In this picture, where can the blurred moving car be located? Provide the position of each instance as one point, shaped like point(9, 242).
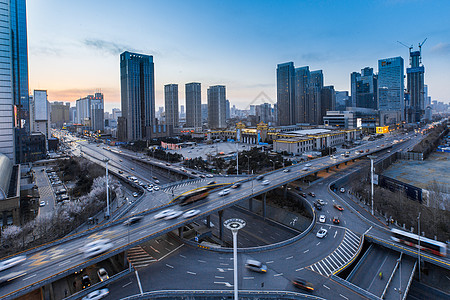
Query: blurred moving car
point(173, 215)
point(303, 284)
point(236, 185)
point(321, 233)
point(132, 220)
point(95, 295)
point(163, 214)
point(286, 170)
point(260, 177)
point(265, 182)
point(11, 262)
point(102, 274)
point(255, 266)
point(338, 207)
point(97, 247)
point(308, 165)
point(224, 192)
point(191, 213)
point(10, 276)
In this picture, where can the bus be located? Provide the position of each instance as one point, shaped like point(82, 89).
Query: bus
point(192, 196)
point(426, 244)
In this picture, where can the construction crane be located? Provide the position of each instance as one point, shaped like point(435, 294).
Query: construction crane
point(409, 47)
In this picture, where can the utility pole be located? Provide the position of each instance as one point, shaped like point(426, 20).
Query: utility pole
point(234, 225)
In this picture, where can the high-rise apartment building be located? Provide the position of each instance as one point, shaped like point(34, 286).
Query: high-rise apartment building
point(59, 113)
point(137, 85)
point(7, 123)
point(391, 84)
point(204, 112)
point(264, 113)
point(41, 113)
point(314, 104)
point(302, 79)
point(90, 112)
point(171, 104)
point(364, 89)
point(116, 113)
point(286, 93)
point(327, 101)
point(217, 107)
point(227, 109)
point(193, 93)
point(415, 76)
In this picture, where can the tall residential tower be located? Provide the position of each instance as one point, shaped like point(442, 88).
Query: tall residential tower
point(193, 92)
point(171, 104)
point(217, 107)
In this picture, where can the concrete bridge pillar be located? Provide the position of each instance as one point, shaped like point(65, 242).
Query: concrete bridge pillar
point(264, 205)
point(208, 221)
point(285, 191)
point(250, 204)
point(221, 225)
point(180, 232)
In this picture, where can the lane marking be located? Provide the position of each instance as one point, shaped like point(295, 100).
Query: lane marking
point(335, 234)
point(277, 274)
point(269, 262)
point(289, 257)
point(31, 276)
point(219, 277)
point(306, 251)
point(249, 277)
point(127, 284)
point(182, 256)
point(299, 269)
point(169, 266)
point(326, 286)
point(201, 261)
point(191, 273)
point(343, 296)
point(225, 283)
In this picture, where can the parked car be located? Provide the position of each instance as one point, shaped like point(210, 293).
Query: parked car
point(255, 266)
point(135, 194)
point(42, 203)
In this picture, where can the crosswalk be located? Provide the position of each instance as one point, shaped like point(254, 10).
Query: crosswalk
point(139, 258)
point(340, 257)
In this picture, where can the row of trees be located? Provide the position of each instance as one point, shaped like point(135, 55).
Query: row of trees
point(396, 205)
point(64, 219)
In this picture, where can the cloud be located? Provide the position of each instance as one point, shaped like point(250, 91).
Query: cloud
point(109, 47)
point(44, 51)
point(441, 48)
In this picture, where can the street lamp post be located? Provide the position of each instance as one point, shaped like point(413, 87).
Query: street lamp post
point(372, 157)
point(273, 164)
point(418, 225)
point(107, 188)
point(234, 225)
point(248, 164)
point(237, 158)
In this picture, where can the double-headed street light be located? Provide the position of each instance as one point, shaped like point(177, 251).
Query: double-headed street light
point(234, 225)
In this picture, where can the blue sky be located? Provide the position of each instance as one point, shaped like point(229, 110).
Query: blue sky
point(74, 46)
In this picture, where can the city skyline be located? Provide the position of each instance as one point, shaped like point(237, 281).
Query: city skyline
point(222, 39)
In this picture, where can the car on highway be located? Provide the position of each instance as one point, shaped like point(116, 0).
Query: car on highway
point(132, 169)
point(286, 170)
point(42, 203)
point(209, 175)
point(163, 213)
point(150, 189)
point(342, 190)
point(338, 207)
point(308, 165)
point(120, 172)
point(265, 182)
point(260, 177)
point(236, 185)
point(321, 202)
point(11, 262)
point(333, 157)
point(321, 233)
point(317, 206)
point(255, 266)
point(322, 219)
point(156, 188)
point(173, 215)
point(212, 182)
point(132, 220)
point(336, 220)
point(191, 213)
point(312, 194)
point(224, 192)
point(85, 281)
point(96, 295)
point(303, 284)
point(10, 276)
point(96, 247)
point(102, 274)
point(156, 181)
point(303, 194)
point(135, 194)
point(305, 169)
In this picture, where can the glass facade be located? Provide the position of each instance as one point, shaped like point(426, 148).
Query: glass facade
point(217, 107)
point(193, 104)
point(391, 84)
point(285, 94)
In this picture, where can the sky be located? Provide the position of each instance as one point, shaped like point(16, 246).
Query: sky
point(74, 46)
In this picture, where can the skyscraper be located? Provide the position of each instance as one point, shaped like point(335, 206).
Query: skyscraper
point(227, 109)
point(302, 78)
point(364, 88)
point(327, 101)
point(171, 104)
point(217, 107)
point(286, 93)
point(391, 84)
point(90, 112)
point(415, 87)
point(137, 85)
point(193, 92)
point(313, 104)
point(7, 111)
